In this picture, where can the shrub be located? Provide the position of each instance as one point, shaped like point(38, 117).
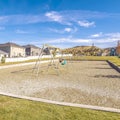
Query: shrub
point(3, 60)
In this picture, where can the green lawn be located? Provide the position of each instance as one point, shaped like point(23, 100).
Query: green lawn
point(19, 109)
point(113, 59)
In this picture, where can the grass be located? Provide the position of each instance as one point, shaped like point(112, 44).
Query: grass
point(27, 61)
point(113, 59)
point(19, 109)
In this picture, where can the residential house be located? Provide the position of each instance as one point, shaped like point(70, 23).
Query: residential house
point(32, 50)
point(13, 49)
point(3, 54)
point(48, 50)
point(106, 52)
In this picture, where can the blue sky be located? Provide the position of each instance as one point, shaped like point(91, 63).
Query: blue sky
point(63, 23)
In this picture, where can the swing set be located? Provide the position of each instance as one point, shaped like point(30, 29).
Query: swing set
point(52, 64)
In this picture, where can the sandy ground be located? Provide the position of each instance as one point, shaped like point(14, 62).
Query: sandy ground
point(84, 82)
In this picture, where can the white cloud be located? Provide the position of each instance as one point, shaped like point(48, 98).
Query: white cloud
point(104, 41)
point(68, 29)
point(81, 40)
point(112, 38)
point(68, 17)
point(54, 16)
point(21, 31)
point(55, 30)
point(63, 17)
point(57, 17)
point(81, 17)
point(22, 19)
point(65, 30)
point(86, 24)
point(113, 35)
point(105, 37)
point(96, 35)
point(69, 40)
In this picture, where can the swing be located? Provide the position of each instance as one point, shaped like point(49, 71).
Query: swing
point(64, 62)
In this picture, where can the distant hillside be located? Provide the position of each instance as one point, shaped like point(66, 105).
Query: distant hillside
point(84, 50)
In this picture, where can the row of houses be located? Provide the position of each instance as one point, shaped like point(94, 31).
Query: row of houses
point(14, 50)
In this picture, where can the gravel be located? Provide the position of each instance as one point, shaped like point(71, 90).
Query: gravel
point(84, 82)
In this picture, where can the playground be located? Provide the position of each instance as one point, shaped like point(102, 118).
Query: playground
point(84, 82)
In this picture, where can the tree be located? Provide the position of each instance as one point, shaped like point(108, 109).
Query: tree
point(3, 60)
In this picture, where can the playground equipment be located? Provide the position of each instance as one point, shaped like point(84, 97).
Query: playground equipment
point(62, 61)
point(53, 63)
point(52, 51)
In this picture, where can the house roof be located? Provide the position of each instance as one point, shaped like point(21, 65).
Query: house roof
point(11, 44)
point(31, 46)
point(3, 52)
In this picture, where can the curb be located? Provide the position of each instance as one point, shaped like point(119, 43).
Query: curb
point(114, 66)
point(107, 109)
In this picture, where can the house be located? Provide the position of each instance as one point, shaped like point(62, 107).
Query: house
point(48, 50)
point(32, 50)
point(106, 52)
point(3, 54)
point(13, 49)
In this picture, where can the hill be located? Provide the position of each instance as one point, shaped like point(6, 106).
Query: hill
point(84, 50)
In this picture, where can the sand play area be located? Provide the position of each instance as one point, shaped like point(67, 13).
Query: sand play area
point(84, 82)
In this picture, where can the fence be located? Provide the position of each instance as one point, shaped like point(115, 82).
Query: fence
point(20, 59)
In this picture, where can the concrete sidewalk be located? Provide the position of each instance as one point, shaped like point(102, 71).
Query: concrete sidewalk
point(107, 109)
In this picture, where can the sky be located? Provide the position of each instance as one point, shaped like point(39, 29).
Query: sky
point(62, 23)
